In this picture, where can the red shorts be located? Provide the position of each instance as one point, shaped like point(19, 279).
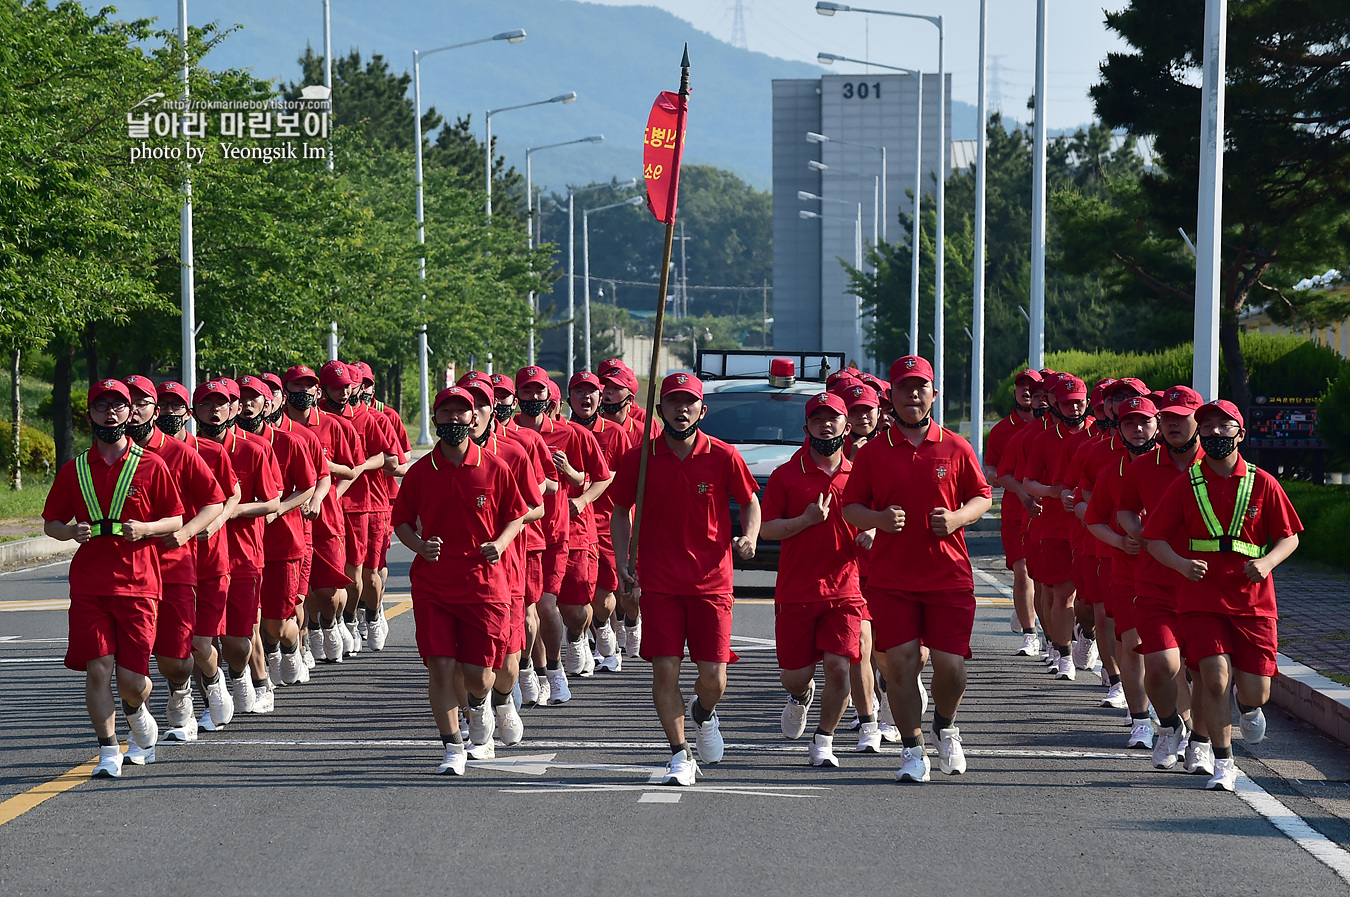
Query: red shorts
point(241, 609)
point(212, 596)
point(534, 576)
point(306, 567)
point(1014, 535)
point(384, 547)
point(120, 625)
point(555, 568)
point(805, 631)
point(377, 529)
point(1120, 606)
point(1034, 559)
point(1088, 577)
point(280, 589)
point(469, 631)
point(1055, 563)
point(1155, 621)
point(326, 569)
point(607, 575)
point(357, 528)
point(176, 617)
point(578, 585)
point(515, 637)
point(1250, 642)
point(669, 622)
point(941, 620)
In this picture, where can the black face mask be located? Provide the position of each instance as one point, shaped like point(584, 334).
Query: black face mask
point(275, 417)
point(1190, 444)
point(1040, 411)
point(109, 435)
point(1141, 449)
point(234, 421)
point(336, 406)
point(859, 435)
point(585, 421)
point(503, 412)
point(300, 400)
point(1073, 421)
point(533, 407)
point(1107, 424)
point(679, 435)
point(170, 424)
point(481, 441)
point(452, 434)
point(368, 398)
point(138, 432)
point(612, 409)
point(919, 426)
point(826, 447)
point(251, 424)
point(1218, 447)
point(211, 431)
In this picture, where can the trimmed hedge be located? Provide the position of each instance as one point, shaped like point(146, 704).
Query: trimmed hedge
point(1325, 512)
point(35, 447)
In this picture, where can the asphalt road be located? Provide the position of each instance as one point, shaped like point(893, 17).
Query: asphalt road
point(334, 793)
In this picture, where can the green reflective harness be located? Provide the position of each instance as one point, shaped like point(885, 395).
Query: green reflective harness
point(1219, 538)
point(109, 524)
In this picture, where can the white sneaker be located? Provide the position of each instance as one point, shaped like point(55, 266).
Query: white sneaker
point(288, 670)
point(274, 667)
point(264, 699)
point(517, 701)
point(1166, 744)
point(822, 751)
point(378, 633)
point(611, 664)
point(183, 733)
point(486, 751)
point(1141, 735)
point(362, 626)
point(206, 723)
point(1115, 697)
point(709, 742)
point(528, 684)
point(351, 644)
point(632, 637)
point(1253, 726)
point(180, 710)
point(794, 714)
point(951, 756)
point(923, 698)
point(587, 661)
point(869, 738)
point(137, 755)
point(885, 717)
point(510, 728)
point(109, 764)
point(454, 761)
point(890, 733)
point(913, 765)
point(306, 664)
point(333, 643)
point(219, 704)
point(1083, 650)
point(313, 648)
point(1224, 777)
point(558, 690)
point(1014, 624)
point(244, 695)
point(606, 642)
point(1031, 646)
point(144, 729)
point(574, 659)
point(1199, 758)
point(545, 690)
point(1065, 669)
point(681, 769)
point(481, 724)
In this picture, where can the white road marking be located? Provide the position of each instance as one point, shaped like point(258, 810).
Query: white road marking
point(659, 797)
point(20, 640)
point(1300, 832)
point(745, 790)
point(538, 764)
point(993, 581)
point(32, 660)
point(38, 567)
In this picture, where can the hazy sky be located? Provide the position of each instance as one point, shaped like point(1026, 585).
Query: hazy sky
point(1077, 41)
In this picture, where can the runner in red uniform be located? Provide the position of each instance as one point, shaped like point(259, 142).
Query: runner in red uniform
point(1013, 514)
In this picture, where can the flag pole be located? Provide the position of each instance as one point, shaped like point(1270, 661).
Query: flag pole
point(654, 370)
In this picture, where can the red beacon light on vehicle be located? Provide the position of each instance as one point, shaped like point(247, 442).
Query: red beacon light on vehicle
point(782, 372)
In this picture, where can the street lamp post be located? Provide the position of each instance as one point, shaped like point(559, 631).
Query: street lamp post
point(879, 203)
point(1036, 320)
point(586, 265)
point(857, 261)
point(513, 37)
point(530, 229)
point(939, 342)
point(185, 258)
point(571, 269)
point(1205, 376)
point(977, 308)
point(564, 98)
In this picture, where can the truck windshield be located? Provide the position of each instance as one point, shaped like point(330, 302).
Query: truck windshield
point(774, 418)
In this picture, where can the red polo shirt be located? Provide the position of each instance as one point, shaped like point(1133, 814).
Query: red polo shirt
point(994, 447)
point(374, 438)
point(259, 480)
point(1102, 509)
point(1013, 462)
point(465, 505)
point(941, 472)
point(405, 446)
point(613, 441)
point(684, 547)
point(583, 453)
point(335, 443)
point(110, 565)
point(1225, 589)
point(1087, 467)
point(284, 538)
point(1045, 459)
point(820, 562)
point(541, 464)
point(527, 480)
point(213, 554)
point(1141, 490)
point(197, 488)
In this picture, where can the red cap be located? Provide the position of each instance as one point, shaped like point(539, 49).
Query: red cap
point(620, 377)
point(1130, 383)
point(1046, 372)
point(142, 384)
point(825, 400)
point(210, 388)
point(504, 383)
point(861, 394)
point(1069, 387)
point(1223, 406)
point(174, 388)
point(366, 373)
point(1097, 398)
point(611, 364)
point(453, 392)
point(531, 374)
point(583, 378)
point(1138, 405)
point(911, 366)
point(231, 387)
point(99, 387)
point(482, 386)
point(256, 384)
point(845, 374)
point(1181, 400)
point(299, 372)
point(271, 380)
point(1029, 374)
point(682, 382)
point(336, 373)
point(554, 392)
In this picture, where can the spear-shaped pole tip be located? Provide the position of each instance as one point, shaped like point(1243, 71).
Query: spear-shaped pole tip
point(684, 63)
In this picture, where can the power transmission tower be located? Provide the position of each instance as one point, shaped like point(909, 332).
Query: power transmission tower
point(996, 83)
point(738, 39)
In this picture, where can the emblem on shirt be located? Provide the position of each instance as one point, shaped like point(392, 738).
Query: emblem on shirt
point(1252, 510)
point(482, 500)
point(704, 488)
point(941, 471)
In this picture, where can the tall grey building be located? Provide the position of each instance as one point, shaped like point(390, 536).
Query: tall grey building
point(812, 308)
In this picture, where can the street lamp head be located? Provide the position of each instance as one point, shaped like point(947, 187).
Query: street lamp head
point(803, 195)
point(805, 213)
point(828, 58)
point(514, 36)
point(636, 200)
point(594, 138)
point(829, 9)
point(631, 182)
point(565, 98)
point(813, 137)
point(817, 166)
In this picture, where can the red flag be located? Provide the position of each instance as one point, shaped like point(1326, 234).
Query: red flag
point(662, 151)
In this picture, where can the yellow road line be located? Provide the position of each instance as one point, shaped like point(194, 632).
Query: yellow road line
point(72, 778)
point(401, 607)
point(40, 604)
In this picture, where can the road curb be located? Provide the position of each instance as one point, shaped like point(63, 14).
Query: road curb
point(21, 550)
point(1313, 698)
